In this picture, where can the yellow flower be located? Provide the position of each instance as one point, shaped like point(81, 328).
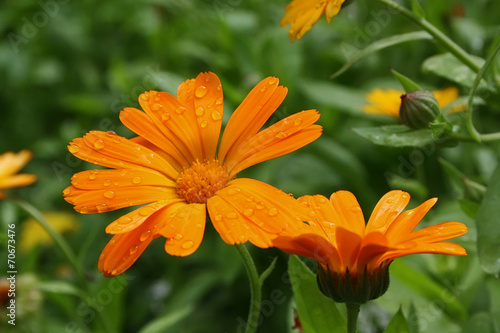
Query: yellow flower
point(303, 14)
point(33, 234)
point(353, 258)
point(388, 101)
point(178, 170)
point(10, 164)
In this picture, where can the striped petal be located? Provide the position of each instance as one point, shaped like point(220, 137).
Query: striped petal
point(347, 212)
point(407, 221)
point(386, 211)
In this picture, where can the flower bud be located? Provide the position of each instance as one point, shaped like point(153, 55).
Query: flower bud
point(418, 109)
point(347, 288)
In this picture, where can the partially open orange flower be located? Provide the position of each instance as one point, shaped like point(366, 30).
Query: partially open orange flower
point(303, 14)
point(10, 164)
point(175, 170)
point(387, 102)
point(347, 249)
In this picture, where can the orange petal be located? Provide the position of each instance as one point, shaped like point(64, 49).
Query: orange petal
point(99, 179)
point(322, 217)
point(251, 115)
point(17, 180)
point(437, 233)
point(407, 221)
point(203, 96)
point(279, 139)
point(142, 125)
point(302, 14)
point(333, 8)
point(348, 213)
point(135, 218)
point(176, 121)
point(105, 200)
point(184, 230)
point(349, 246)
point(11, 163)
point(386, 211)
point(435, 248)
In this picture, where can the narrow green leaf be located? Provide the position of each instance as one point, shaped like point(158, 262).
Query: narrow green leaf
point(396, 136)
point(398, 324)
point(428, 288)
point(268, 271)
point(60, 287)
point(167, 321)
point(448, 66)
point(412, 319)
point(408, 84)
point(417, 9)
point(317, 312)
point(488, 226)
point(380, 45)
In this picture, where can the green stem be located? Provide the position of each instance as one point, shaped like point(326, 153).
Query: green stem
point(255, 289)
point(66, 250)
point(438, 35)
point(352, 316)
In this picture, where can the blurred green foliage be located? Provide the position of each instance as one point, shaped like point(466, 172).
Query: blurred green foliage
point(67, 67)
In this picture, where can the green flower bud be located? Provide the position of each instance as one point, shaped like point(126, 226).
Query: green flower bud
point(418, 109)
point(344, 288)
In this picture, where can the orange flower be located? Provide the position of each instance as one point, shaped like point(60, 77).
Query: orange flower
point(10, 164)
point(387, 102)
point(303, 14)
point(174, 167)
point(353, 259)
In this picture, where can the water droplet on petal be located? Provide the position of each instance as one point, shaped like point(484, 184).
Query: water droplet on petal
point(356, 209)
point(146, 210)
point(73, 149)
point(272, 80)
point(98, 144)
point(200, 91)
point(242, 238)
point(107, 182)
point(322, 200)
point(200, 111)
point(216, 115)
point(180, 110)
point(262, 89)
point(178, 237)
point(187, 245)
point(124, 220)
point(233, 190)
point(84, 210)
point(109, 194)
point(137, 180)
point(66, 191)
point(218, 217)
point(272, 212)
point(248, 212)
point(312, 213)
point(260, 205)
point(145, 235)
point(281, 135)
point(297, 121)
point(102, 207)
point(92, 176)
point(231, 215)
point(144, 96)
point(218, 101)
point(390, 201)
point(133, 249)
point(114, 271)
point(156, 107)
point(165, 116)
point(204, 124)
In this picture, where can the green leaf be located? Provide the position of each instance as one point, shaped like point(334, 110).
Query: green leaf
point(380, 45)
point(317, 312)
point(60, 287)
point(428, 288)
point(417, 9)
point(447, 66)
point(469, 207)
point(268, 271)
point(488, 226)
point(396, 136)
point(398, 324)
point(408, 84)
point(167, 321)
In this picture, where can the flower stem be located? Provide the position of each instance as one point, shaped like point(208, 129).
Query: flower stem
point(450, 45)
point(255, 289)
point(352, 316)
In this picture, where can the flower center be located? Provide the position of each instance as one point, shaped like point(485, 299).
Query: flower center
point(201, 181)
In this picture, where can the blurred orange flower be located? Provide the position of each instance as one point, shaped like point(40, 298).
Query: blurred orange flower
point(175, 170)
point(303, 14)
point(353, 259)
point(10, 164)
point(387, 102)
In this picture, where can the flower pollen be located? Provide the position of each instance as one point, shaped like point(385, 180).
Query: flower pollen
point(201, 181)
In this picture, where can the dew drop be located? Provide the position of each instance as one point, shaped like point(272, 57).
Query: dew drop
point(144, 96)
point(312, 213)
point(107, 182)
point(218, 101)
point(200, 91)
point(260, 205)
point(109, 194)
point(218, 217)
point(66, 191)
point(297, 121)
point(137, 180)
point(178, 237)
point(116, 183)
point(124, 220)
point(145, 235)
point(180, 110)
point(281, 135)
point(84, 210)
point(165, 116)
point(250, 199)
point(102, 207)
point(231, 215)
point(390, 201)
point(99, 144)
point(187, 245)
point(73, 149)
point(114, 271)
point(272, 80)
point(200, 111)
point(272, 212)
point(92, 176)
point(204, 124)
point(156, 107)
point(242, 238)
point(233, 190)
point(322, 200)
point(356, 209)
point(74, 183)
point(248, 212)
point(133, 249)
point(216, 115)
point(146, 210)
point(262, 89)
